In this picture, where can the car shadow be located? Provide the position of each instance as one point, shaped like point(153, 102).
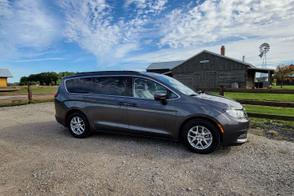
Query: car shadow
point(51, 134)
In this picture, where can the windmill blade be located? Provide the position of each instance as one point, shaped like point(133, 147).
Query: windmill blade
point(265, 47)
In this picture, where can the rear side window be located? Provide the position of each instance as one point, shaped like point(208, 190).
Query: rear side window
point(100, 85)
point(79, 85)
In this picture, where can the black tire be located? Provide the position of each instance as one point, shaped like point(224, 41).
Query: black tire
point(201, 123)
point(86, 132)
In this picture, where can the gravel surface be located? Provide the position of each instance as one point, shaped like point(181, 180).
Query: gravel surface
point(39, 157)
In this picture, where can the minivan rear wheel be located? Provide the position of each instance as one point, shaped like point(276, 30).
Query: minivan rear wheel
point(78, 125)
point(200, 136)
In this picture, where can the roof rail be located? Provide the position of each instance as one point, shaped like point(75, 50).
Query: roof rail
point(104, 73)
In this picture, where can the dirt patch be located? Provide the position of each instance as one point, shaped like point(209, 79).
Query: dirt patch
point(273, 130)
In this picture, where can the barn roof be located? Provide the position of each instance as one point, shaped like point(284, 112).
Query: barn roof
point(229, 58)
point(164, 65)
point(5, 73)
point(225, 57)
point(173, 64)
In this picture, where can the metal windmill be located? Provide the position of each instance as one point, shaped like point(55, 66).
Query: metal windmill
point(263, 49)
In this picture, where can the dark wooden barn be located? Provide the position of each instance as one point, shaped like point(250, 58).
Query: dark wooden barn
point(208, 70)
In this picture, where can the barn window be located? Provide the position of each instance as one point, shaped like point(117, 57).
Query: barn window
point(204, 61)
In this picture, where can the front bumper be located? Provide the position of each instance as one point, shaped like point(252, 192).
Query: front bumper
point(242, 139)
point(235, 133)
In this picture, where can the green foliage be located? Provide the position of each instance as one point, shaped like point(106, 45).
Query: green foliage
point(24, 80)
point(63, 74)
point(282, 72)
point(44, 78)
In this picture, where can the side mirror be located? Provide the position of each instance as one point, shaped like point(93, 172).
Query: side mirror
point(160, 97)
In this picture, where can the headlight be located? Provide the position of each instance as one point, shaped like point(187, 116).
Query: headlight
point(238, 114)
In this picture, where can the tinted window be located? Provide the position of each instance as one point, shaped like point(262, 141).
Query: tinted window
point(79, 85)
point(100, 85)
point(176, 84)
point(146, 89)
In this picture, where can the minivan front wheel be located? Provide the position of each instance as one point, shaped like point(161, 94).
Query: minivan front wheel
point(200, 136)
point(78, 125)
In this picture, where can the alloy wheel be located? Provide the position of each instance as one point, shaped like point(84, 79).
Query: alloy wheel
point(200, 137)
point(77, 125)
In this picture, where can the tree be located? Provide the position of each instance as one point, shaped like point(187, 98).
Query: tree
point(45, 78)
point(282, 71)
point(24, 80)
point(61, 75)
point(64, 74)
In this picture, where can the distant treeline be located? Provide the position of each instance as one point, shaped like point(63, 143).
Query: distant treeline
point(44, 78)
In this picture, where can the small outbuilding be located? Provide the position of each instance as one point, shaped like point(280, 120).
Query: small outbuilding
point(208, 70)
point(4, 75)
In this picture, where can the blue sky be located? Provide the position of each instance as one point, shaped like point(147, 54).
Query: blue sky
point(89, 35)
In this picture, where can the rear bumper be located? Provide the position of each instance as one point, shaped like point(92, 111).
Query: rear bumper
point(235, 133)
point(60, 120)
point(60, 112)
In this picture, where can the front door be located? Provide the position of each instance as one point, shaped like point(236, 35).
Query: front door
point(146, 114)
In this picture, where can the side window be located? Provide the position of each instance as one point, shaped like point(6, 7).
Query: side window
point(112, 86)
point(79, 85)
point(146, 89)
point(100, 85)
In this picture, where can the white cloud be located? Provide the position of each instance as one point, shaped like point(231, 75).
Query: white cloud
point(91, 24)
point(214, 21)
point(150, 30)
point(25, 24)
point(241, 25)
point(150, 6)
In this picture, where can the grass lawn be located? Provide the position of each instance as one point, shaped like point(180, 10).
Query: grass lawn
point(285, 87)
point(260, 96)
point(281, 111)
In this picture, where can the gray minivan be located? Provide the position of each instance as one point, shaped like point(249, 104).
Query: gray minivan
point(148, 104)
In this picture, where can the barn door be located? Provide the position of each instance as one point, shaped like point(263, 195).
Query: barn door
point(211, 79)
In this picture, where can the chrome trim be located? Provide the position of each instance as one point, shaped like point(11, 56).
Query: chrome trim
point(132, 76)
point(243, 140)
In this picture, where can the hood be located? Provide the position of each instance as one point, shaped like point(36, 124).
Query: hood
point(219, 100)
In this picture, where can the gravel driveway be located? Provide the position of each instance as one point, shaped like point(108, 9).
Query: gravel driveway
point(39, 157)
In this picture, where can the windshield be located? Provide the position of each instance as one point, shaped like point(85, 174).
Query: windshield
point(176, 84)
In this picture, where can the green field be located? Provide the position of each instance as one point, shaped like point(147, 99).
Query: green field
point(261, 96)
point(280, 111)
point(285, 87)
